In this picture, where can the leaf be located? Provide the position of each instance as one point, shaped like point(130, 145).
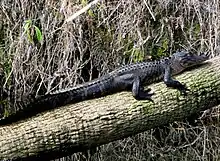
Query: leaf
point(91, 14)
point(29, 36)
point(38, 33)
point(84, 2)
point(27, 25)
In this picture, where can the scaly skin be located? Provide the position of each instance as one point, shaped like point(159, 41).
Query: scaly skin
point(131, 77)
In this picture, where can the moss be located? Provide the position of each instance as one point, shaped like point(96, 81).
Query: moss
point(6, 111)
point(90, 12)
point(6, 62)
point(161, 49)
point(131, 52)
point(197, 30)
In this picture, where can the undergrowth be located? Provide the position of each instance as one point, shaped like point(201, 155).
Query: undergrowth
point(41, 53)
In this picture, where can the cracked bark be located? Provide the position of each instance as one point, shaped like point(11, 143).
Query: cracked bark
point(86, 124)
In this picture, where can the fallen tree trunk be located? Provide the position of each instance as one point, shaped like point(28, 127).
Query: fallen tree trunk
point(83, 125)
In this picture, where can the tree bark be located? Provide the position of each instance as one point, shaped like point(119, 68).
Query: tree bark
point(86, 124)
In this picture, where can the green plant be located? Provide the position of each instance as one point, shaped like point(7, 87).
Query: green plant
point(32, 32)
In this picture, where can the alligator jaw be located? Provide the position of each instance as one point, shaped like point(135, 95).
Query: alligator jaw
point(189, 60)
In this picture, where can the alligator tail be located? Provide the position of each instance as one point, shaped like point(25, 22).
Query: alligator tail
point(93, 89)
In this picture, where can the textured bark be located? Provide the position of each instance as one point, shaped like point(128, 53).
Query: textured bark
point(94, 122)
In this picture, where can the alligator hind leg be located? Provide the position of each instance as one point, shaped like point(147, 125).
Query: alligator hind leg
point(138, 91)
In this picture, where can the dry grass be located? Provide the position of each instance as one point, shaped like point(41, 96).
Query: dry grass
point(110, 34)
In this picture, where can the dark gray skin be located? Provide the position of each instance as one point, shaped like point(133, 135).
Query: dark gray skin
point(131, 77)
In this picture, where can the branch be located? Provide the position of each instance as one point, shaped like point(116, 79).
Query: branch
point(83, 10)
point(86, 124)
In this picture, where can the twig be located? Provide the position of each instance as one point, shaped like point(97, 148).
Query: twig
point(83, 10)
point(149, 10)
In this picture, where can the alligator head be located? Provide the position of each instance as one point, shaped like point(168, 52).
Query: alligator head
point(183, 60)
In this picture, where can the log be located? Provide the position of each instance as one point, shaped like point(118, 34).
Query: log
point(76, 127)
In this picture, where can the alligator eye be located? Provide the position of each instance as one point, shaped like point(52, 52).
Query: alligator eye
point(182, 54)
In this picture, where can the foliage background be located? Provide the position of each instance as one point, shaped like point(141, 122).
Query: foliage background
point(40, 53)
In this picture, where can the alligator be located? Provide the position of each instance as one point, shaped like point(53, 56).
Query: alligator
point(131, 77)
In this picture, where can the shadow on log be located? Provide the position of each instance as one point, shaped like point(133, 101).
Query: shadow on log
point(91, 123)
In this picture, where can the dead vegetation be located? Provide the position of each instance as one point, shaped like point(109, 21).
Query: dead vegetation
point(108, 35)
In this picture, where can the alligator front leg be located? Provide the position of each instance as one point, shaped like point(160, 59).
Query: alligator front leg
point(170, 82)
point(138, 91)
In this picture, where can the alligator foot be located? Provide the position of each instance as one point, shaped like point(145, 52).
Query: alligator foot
point(144, 94)
point(183, 89)
point(177, 85)
point(138, 91)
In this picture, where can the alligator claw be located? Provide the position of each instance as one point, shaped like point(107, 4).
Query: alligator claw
point(144, 94)
point(183, 89)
